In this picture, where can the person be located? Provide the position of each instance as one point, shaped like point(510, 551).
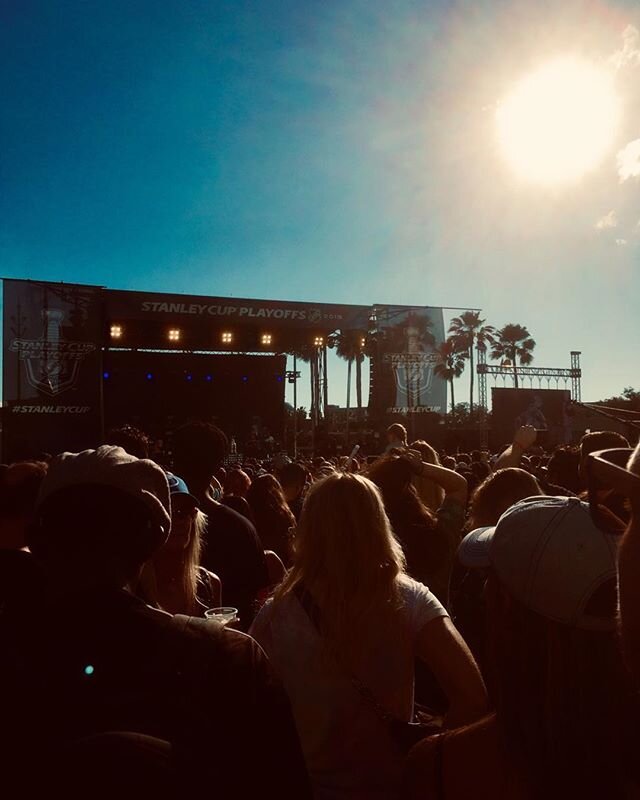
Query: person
point(533, 415)
point(430, 493)
point(511, 456)
point(233, 550)
point(293, 479)
point(131, 439)
point(274, 519)
point(236, 487)
point(565, 713)
point(489, 502)
point(561, 474)
point(19, 486)
point(614, 502)
point(173, 579)
point(605, 469)
point(630, 578)
point(396, 435)
point(367, 621)
point(429, 540)
point(499, 492)
point(88, 657)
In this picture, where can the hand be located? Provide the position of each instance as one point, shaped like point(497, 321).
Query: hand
point(525, 436)
point(415, 460)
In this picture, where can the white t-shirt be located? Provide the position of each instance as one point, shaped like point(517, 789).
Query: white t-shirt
point(347, 747)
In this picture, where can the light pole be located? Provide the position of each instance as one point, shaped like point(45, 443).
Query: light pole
point(292, 377)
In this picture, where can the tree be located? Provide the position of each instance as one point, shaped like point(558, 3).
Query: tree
point(309, 354)
point(512, 345)
point(449, 364)
point(469, 332)
point(350, 346)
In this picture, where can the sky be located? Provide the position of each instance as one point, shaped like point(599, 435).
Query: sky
point(324, 150)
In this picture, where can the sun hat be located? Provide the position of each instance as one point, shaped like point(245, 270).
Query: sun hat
point(548, 553)
point(113, 467)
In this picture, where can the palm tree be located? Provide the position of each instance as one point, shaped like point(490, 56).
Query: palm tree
point(513, 344)
point(350, 346)
point(449, 363)
point(309, 354)
point(469, 332)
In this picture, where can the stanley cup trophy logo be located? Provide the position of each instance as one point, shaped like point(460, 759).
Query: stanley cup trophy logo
point(52, 363)
point(413, 372)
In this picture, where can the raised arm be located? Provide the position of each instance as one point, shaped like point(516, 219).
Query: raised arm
point(524, 438)
point(454, 485)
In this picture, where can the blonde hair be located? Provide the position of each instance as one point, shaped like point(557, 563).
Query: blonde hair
point(192, 554)
point(348, 559)
point(187, 565)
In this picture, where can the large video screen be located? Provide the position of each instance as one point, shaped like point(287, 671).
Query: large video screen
point(547, 410)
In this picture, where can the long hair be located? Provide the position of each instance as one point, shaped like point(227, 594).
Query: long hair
point(267, 501)
point(392, 474)
point(499, 492)
point(187, 566)
point(430, 493)
point(565, 709)
point(347, 558)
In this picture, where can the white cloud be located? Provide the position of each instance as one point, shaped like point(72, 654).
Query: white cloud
point(609, 220)
point(628, 161)
point(629, 53)
point(621, 242)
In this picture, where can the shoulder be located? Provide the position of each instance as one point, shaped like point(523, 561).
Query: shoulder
point(223, 516)
point(420, 603)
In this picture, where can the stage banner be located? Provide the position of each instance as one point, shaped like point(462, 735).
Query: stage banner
point(51, 367)
point(549, 411)
point(404, 381)
point(122, 306)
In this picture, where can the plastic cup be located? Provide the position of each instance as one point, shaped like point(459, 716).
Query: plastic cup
point(224, 614)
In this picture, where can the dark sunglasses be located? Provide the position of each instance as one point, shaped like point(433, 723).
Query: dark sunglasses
point(183, 513)
point(607, 472)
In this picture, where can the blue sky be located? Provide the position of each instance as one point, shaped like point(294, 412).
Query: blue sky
point(328, 150)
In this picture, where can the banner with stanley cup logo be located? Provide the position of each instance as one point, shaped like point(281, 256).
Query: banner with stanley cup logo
point(51, 368)
point(404, 381)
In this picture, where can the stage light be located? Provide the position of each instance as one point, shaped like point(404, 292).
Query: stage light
point(279, 378)
point(189, 376)
point(363, 342)
point(106, 375)
point(116, 331)
point(266, 339)
point(149, 376)
point(318, 341)
point(174, 335)
point(245, 378)
point(227, 337)
point(208, 378)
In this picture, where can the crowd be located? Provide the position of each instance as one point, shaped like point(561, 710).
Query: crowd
point(416, 625)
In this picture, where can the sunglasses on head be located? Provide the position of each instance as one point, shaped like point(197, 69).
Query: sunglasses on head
point(608, 476)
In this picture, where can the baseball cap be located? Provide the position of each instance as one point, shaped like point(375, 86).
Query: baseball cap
point(113, 467)
point(547, 552)
point(178, 486)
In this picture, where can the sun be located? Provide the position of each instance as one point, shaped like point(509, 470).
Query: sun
point(559, 122)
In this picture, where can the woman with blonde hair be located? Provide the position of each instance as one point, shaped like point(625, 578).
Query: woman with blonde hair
point(173, 579)
point(343, 631)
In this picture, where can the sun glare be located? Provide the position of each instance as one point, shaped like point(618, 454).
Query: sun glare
point(559, 122)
